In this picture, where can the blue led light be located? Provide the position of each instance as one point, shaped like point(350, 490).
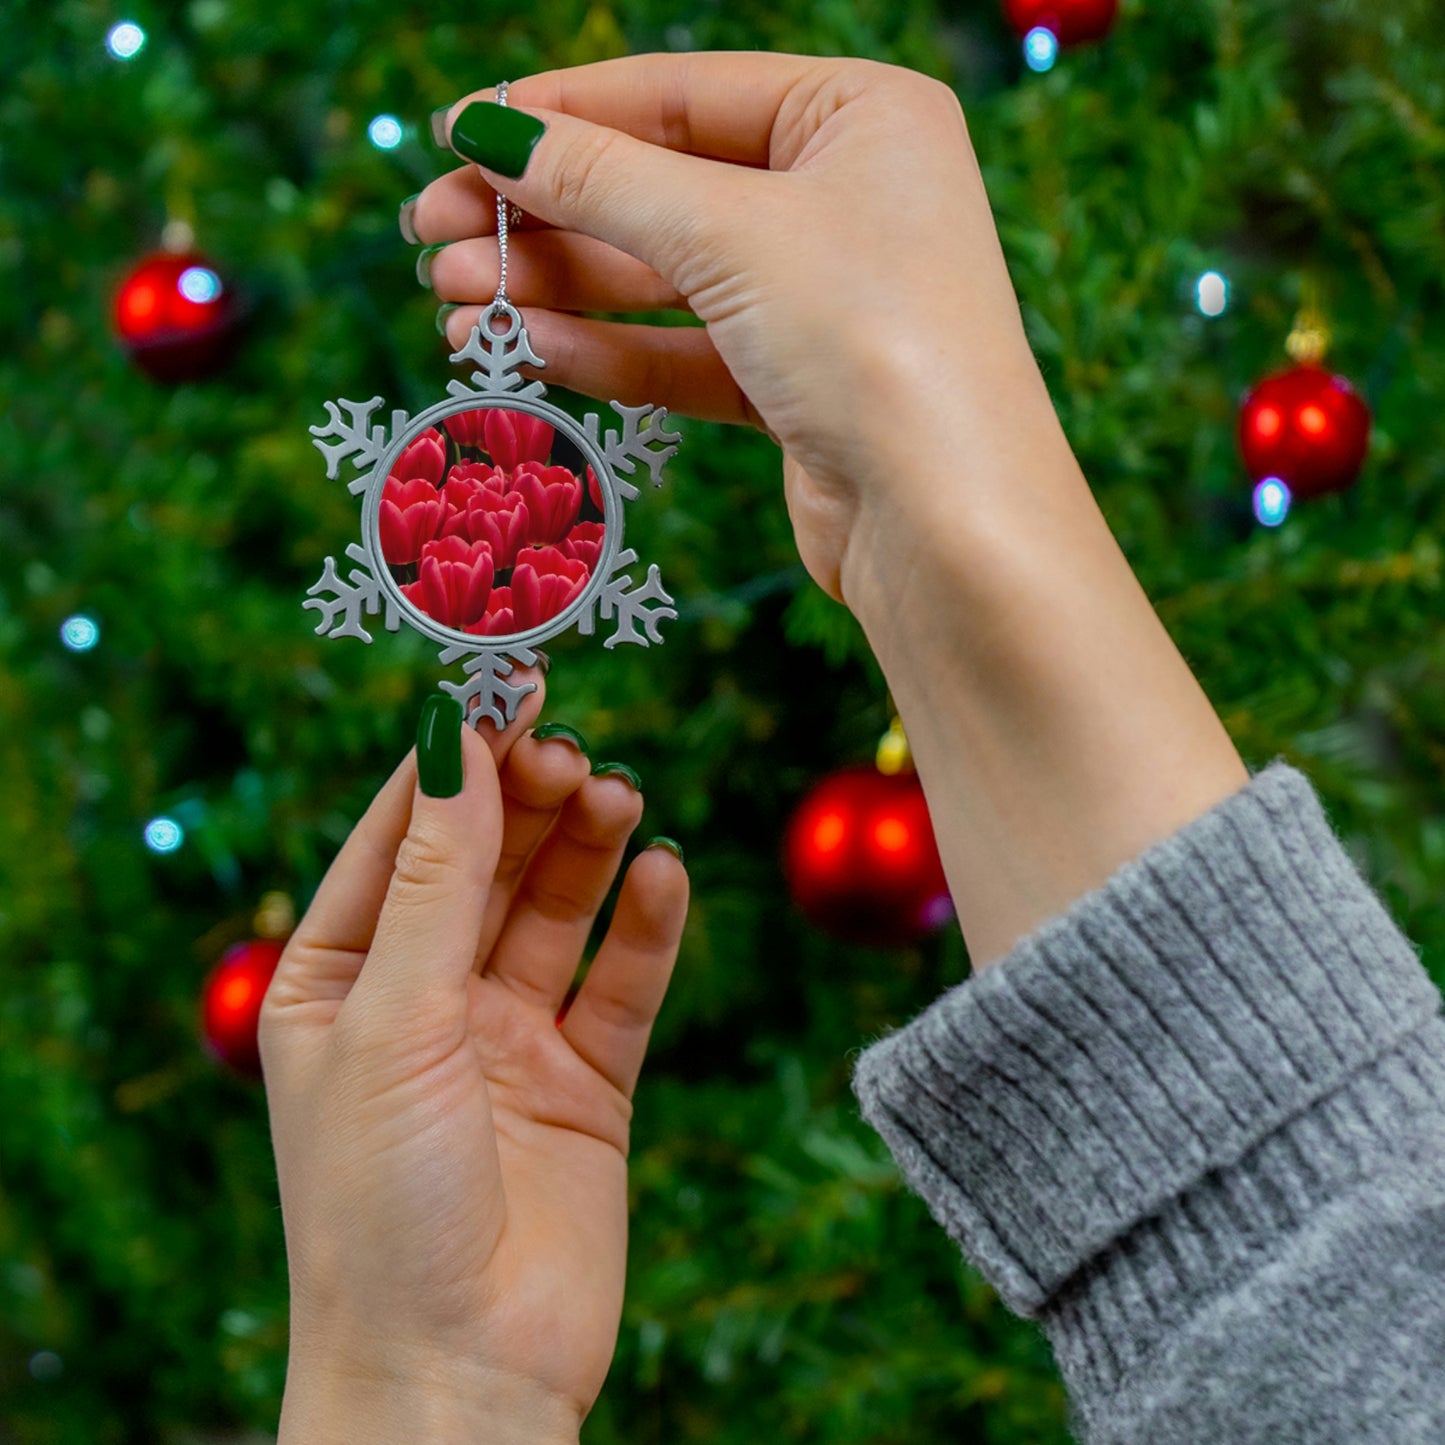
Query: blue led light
point(199, 284)
point(385, 132)
point(1041, 48)
point(1211, 294)
point(1271, 502)
point(164, 835)
point(126, 40)
point(80, 633)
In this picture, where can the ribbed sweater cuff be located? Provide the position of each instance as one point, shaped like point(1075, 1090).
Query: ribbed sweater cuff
point(1223, 983)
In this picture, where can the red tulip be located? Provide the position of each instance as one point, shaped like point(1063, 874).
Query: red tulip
point(544, 583)
point(481, 472)
point(425, 457)
point(497, 620)
point(466, 427)
point(594, 490)
point(455, 581)
point(480, 514)
point(514, 437)
point(584, 542)
point(412, 514)
point(553, 496)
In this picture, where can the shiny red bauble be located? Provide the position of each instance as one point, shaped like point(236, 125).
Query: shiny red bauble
point(231, 1003)
point(861, 860)
point(176, 317)
point(1307, 427)
point(1073, 22)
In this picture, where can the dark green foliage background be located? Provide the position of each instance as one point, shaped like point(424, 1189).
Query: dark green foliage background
point(783, 1286)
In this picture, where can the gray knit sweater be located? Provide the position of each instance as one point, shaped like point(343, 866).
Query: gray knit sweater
point(1196, 1127)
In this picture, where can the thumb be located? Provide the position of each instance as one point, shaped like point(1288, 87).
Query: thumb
point(656, 204)
point(426, 934)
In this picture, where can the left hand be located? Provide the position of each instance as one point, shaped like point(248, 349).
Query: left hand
point(452, 1156)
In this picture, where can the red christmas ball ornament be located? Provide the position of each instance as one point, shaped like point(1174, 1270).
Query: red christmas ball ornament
point(231, 1003)
point(1306, 426)
point(861, 860)
point(1071, 22)
point(176, 317)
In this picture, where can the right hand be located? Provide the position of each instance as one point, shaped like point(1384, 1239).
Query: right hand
point(825, 218)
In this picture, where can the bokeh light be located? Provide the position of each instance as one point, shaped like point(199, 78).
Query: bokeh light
point(1041, 48)
point(80, 633)
point(1211, 293)
point(126, 40)
point(199, 284)
point(164, 835)
point(385, 132)
point(1271, 502)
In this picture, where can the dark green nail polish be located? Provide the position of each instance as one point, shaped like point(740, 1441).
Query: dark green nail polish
point(439, 126)
point(439, 747)
point(671, 844)
point(443, 312)
point(423, 263)
point(561, 730)
point(617, 770)
point(496, 136)
point(405, 221)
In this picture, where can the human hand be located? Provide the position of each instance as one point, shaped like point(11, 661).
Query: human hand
point(452, 1158)
point(827, 220)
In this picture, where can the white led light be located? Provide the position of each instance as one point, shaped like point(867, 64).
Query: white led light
point(385, 132)
point(199, 284)
point(164, 835)
point(80, 633)
point(126, 40)
point(1271, 502)
point(1212, 294)
point(1041, 48)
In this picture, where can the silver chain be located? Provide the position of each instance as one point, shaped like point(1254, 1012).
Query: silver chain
point(501, 299)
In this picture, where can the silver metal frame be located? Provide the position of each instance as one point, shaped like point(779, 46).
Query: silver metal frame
point(613, 456)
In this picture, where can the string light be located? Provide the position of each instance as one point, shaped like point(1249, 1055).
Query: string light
point(199, 284)
point(1041, 48)
point(1271, 502)
point(385, 132)
point(1212, 294)
point(164, 835)
point(126, 40)
point(80, 633)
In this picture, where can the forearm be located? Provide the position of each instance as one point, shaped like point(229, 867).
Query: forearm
point(417, 1402)
point(1057, 730)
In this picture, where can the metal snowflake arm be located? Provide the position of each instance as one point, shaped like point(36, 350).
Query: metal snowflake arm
point(359, 440)
point(630, 607)
point(485, 693)
point(643, 438)
point(341, 613)
point(498, 355)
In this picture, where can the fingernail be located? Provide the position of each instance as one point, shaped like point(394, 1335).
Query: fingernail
point(406, 222)
point(671, 844)
point(496, 136)
point(561, 730)
point(439, 126)
point(439, 747)
point(423, 263)
point(443, 312)
point(543, 661)
point(618, 770)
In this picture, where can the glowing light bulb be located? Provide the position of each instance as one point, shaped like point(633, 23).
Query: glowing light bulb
point(385, 132)
point(1041, 48)
point(164, 835)
point(80, 633)
point(1212, 294)
point(1271, 502)
point(126, 40)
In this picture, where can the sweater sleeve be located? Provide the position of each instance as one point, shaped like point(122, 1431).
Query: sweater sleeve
point(1196, 1127)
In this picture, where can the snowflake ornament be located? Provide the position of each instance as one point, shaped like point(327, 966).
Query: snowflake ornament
point(493, 521)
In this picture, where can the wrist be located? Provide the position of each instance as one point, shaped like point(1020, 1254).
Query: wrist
point(405, 1395)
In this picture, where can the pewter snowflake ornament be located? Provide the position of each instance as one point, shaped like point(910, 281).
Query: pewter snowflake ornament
point(493, 521)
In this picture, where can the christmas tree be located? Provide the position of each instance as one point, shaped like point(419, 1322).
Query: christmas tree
point(177, 742)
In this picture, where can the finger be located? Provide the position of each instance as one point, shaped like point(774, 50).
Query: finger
point(461, 204)
point(673, 366)
point(611, 1019)
point(557, 269)
point(719, 104)
point(566, 884)
point(500, 742)
point(540, 775)
point(425, 939)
